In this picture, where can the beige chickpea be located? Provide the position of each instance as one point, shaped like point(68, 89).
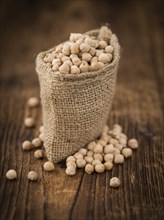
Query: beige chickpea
point(60, 56)
point(41, 137)
point(71, 163)
point(105, 58)
point(70, 158)
point(84, 66)
point(108, 165)
point(116, 151)
point(102, 44)
point(95, 162)
point(89, 168)
point(83, 151)
point(101, 65)
point(127, 152)
point(91, 42)
point(80, 163)
point(118, 159)
point(80, 41)
point(75, 48)
point(105, 138)
point(41, 129)
point(109, 149)
point(113, 141)
point(48, 166)
point(64, 68)
point(33, 102)
point(76, 61)
point(88, 159)
point(59, 48)
point(92, 51)
point(75, 70)
point(97, 156)
point(123, 141)
point(27, 145)
point(72, 56)
point(91, 145)
point(38, 154)
point(98, 53)
point(94, 59)
point(122, 135)
point(11, 174)
point(75, 36)
point(71, 171)
point(65, 58)
point(55, 67)
point(84, 48)
point(102, 142)
point(95, 66)
point(98, 148)
point(29, 122)
point(36, 142)
point(115, 182)
point(108, 157)
point(56, 61)
point(118, 146)
point(90, 153)
point(66, 49)
point(109, 49)
point(99, 168)
point(68, 62)
point(32, 175)
point(86, 56)
point(133, 143)
point(78, 156)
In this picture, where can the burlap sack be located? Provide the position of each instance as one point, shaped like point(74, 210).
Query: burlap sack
point(75, 107)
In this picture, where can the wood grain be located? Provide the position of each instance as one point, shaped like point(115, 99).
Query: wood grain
point(29, 27)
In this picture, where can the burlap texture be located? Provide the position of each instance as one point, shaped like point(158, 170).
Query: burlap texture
point(75, 107)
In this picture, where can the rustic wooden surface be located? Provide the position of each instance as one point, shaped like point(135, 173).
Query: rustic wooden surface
point(29, 27)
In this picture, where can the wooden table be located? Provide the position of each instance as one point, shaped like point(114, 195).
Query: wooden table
point(29, 27)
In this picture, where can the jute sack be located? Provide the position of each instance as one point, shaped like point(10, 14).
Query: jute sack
point(75, 107)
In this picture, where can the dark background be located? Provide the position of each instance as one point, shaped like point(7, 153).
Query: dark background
point(28, 27)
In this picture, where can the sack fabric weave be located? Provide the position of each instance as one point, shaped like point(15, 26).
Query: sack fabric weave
point(75, 107)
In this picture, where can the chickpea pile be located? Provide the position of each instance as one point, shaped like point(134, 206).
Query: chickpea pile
point(82, 53)
point(112, 147)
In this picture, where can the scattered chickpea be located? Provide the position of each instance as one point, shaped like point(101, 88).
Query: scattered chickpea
point(33, 102)
point(133, 143)
point(91, 145)
point(98, 156)
point(127, 152)
point(11, 174)
point(108, 157)
point(109, 149)
point(71, 163)
point(27, 145)
point(70, 158)
point(29, 122)
point(36, 142)
point(118, 159)
point(88, 159)
point(41, 137)
point(83, 151)
point(48, 166)
point(38, 154)
point(89, 168)
point(99, 168)
point(80, 163)
point(90, 153)
point(115, 182)
point(32, 175)
point(108, 165)
point(95, 162)
point(71, 171)
point(41, 129)
point(119, 146)
point(78, 155)
point(98, 149)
